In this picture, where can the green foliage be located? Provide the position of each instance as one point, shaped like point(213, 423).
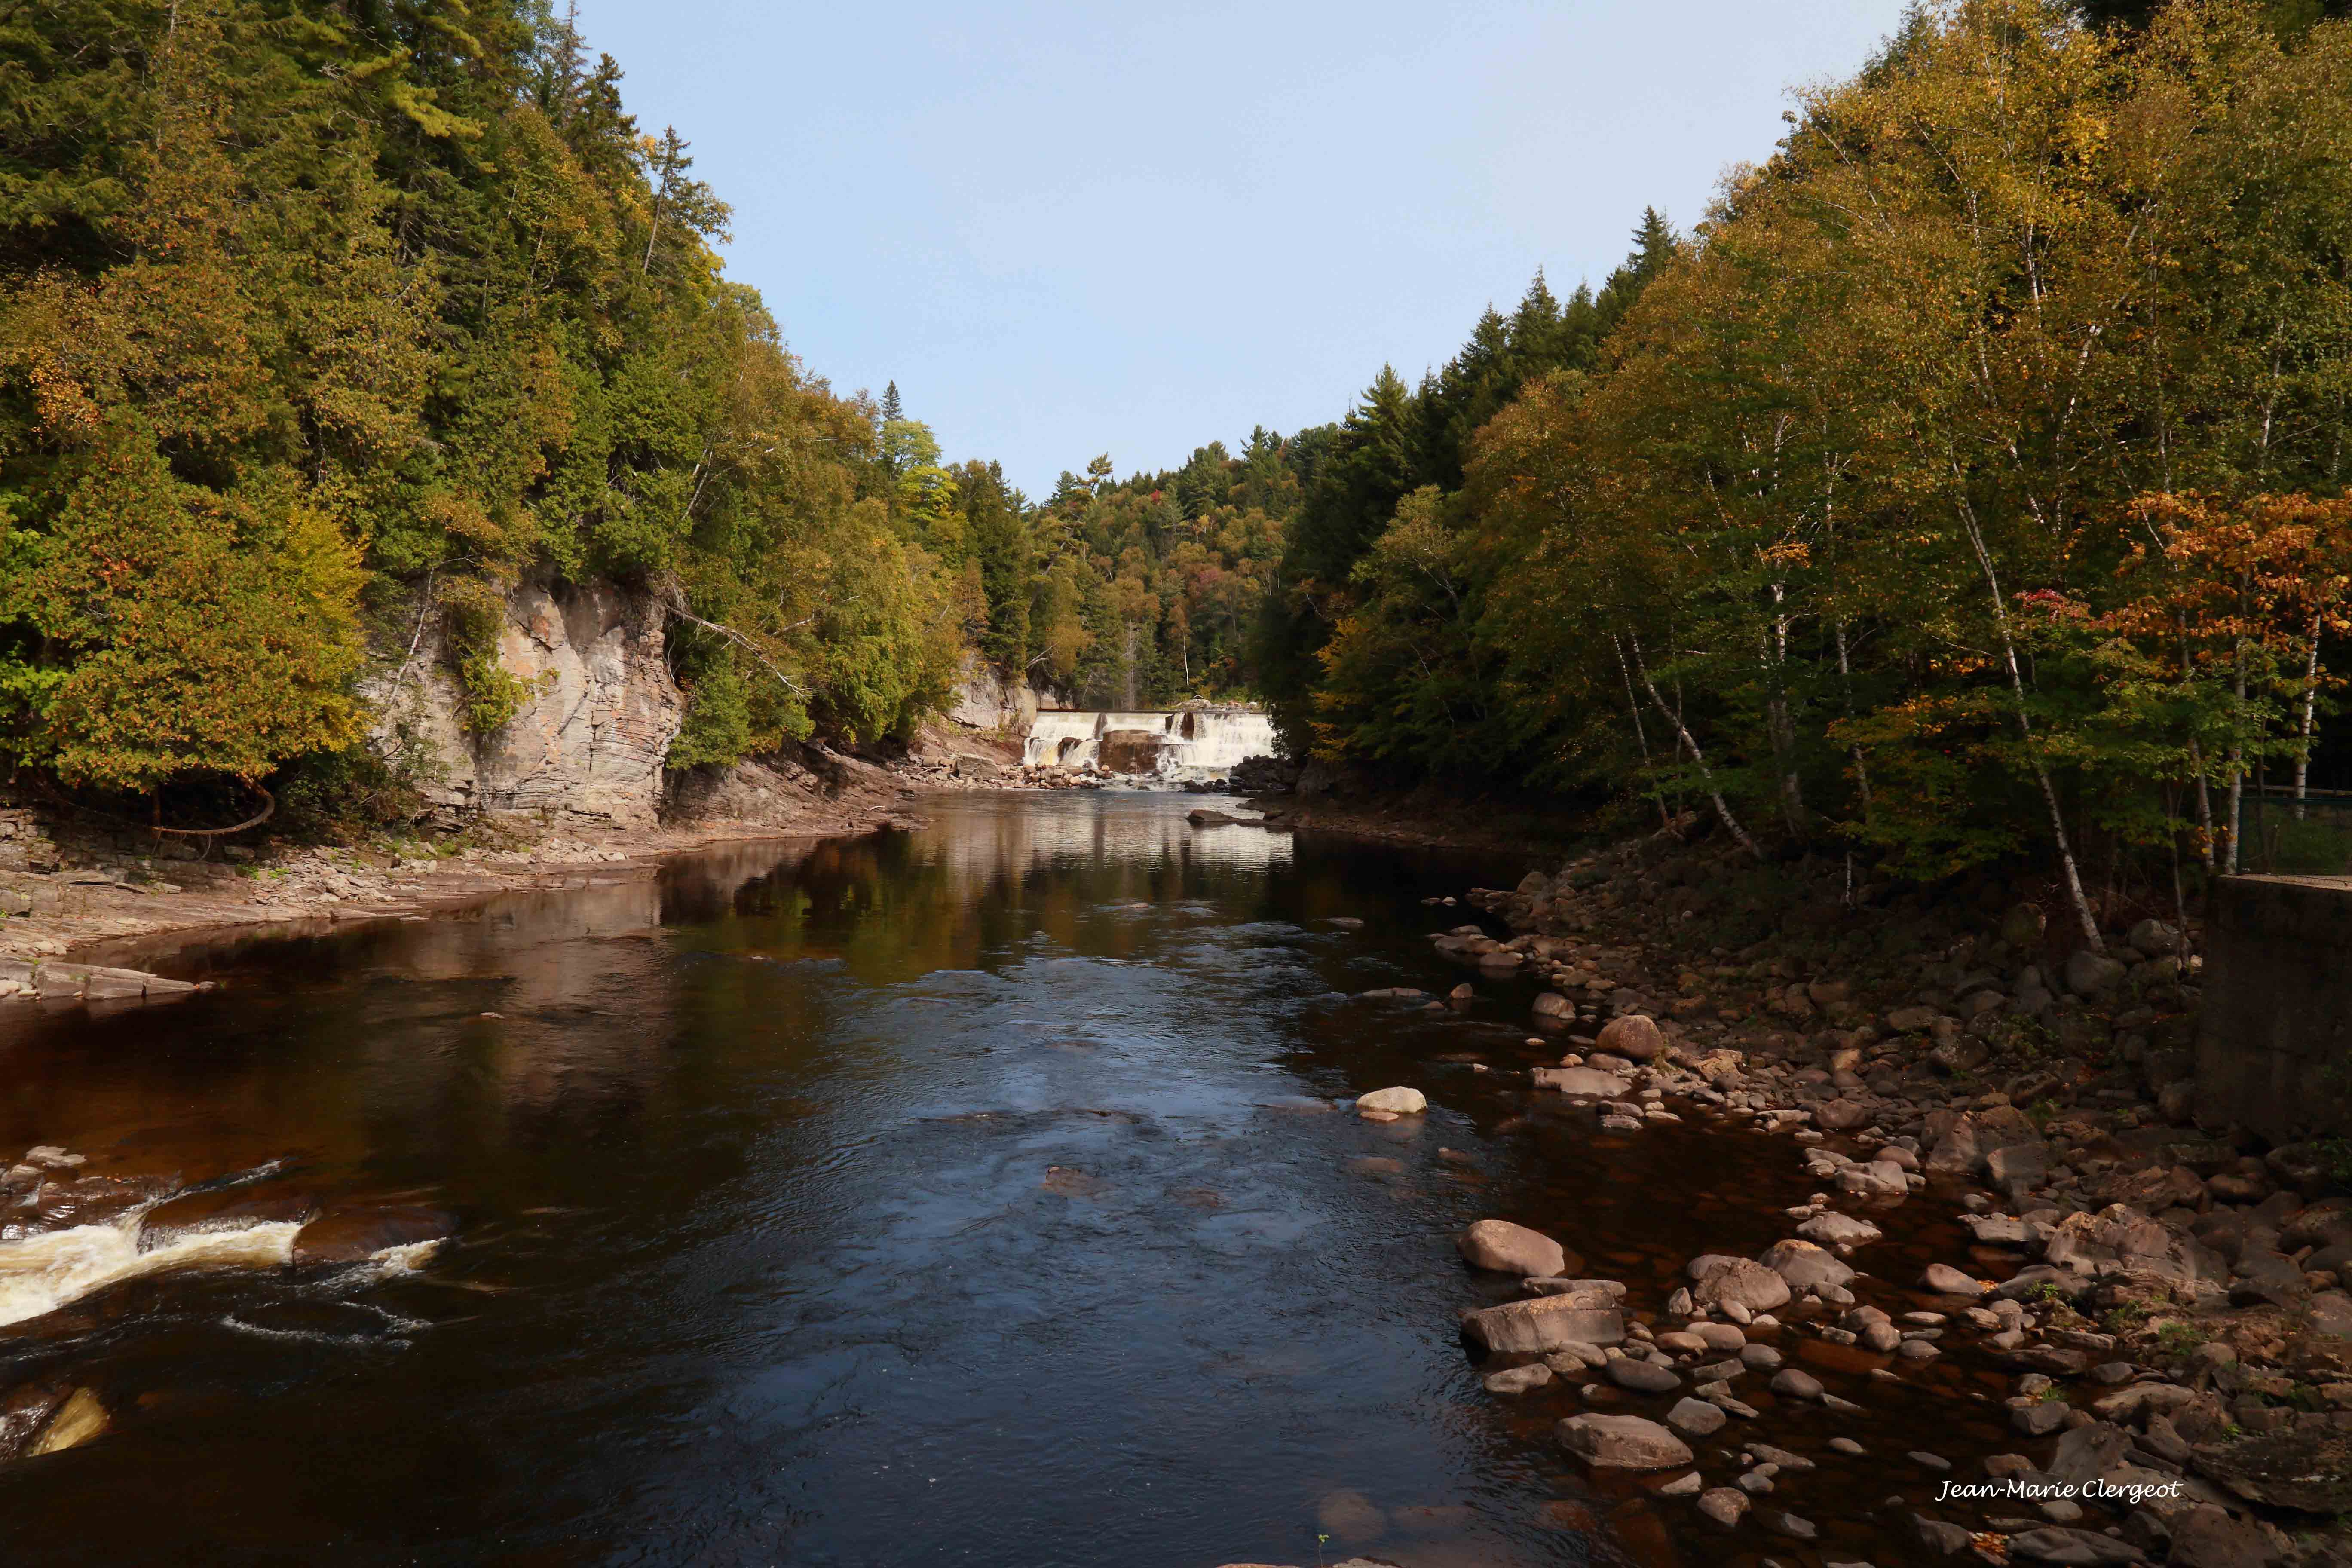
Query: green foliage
point(293, 295)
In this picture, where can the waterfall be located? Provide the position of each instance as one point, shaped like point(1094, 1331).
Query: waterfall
point(1188, 745)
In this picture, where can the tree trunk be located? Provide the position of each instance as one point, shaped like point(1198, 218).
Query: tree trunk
point(2074, 893)
point(1683, 731)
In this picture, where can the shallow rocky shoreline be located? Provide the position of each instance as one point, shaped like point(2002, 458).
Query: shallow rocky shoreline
point(2168, 1303)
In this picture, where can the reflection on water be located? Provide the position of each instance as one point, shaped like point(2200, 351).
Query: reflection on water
point(970, 1195)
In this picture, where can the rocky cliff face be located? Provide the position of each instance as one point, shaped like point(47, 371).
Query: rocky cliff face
point(986, 701)
point(589, 745)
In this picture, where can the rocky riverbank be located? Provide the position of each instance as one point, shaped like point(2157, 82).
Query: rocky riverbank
point(2162, 1307)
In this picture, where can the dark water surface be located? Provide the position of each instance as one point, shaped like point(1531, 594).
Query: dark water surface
point(965, 1196)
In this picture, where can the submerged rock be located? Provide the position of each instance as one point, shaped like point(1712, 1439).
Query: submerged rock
point(1622, 1442)
point(354, 1236)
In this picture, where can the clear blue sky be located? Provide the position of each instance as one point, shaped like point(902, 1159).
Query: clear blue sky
point(1066, 229)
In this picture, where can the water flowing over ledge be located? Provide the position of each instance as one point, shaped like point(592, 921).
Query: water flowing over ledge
point(1187, 747)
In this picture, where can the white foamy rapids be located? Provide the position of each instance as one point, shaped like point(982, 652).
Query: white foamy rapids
point(1192, 746)
point(42, 1273)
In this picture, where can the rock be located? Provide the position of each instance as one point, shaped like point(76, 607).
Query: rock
point(1683, 1486)
point(1804, 1266)
point(1351, 1516)
point(1634, 1037)
point(1544, 1323)
point(2093, 974)
point(1723, 1505)
point(2154, 937)
point(1399, 1101)
point(2308, 1468)
point(2070, 1548)
point(2205, 1536)
point(600, 709)
point(1643, 1377)
point(1517, 1379)
point(1911, 1020)
point(354, 1236)
point(1624, 1443)
point(1695, 1418)
point(2025, 1165)
point(1841, 1115)
point(1586, 1082)
point(1737, 1282)
point(1829, 1228)
point(2038, 1417)
point(1782, 1523)
point(1958, 1150)
point(1724, 1339)
point(1502, 1247)
point(1945, 1280)
point(1878, 1178)
point(1791, 1383)
point(1759, 1358)
point(1200, 817)
point(223, 1210)
point(1936, 1537)
point(1848, 1446)
point(1552, 1004)
point(81, 1418)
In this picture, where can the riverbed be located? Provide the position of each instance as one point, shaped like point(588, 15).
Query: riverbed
point(974, 1194)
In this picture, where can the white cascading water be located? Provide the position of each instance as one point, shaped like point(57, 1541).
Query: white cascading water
point(42, 1273)
point(1193, 745)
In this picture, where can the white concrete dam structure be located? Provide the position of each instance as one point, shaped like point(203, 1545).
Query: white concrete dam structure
point(1189, 745)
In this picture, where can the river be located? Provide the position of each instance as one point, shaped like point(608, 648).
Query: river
point(967, 1195)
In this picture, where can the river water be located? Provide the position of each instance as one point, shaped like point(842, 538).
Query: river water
point(972, 1195)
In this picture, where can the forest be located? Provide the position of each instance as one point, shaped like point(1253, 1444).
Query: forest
point(1968, 483)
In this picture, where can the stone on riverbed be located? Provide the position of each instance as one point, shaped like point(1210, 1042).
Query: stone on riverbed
point(1724, 1505)
point(1632, 1037)
point(354, 1236)
point(1502, 1247)
point(1791, 1383)
point(1517, 1379)
point(1804, 1266)
point(1397, 1101)
point(1831, 1228)
point(1588, 1082)
point(1624, 1443)
point(1643, 1377)
point(1696, 1418)
point(1718, 1280)
point(1545, 1322)
point(81, 1418)
point(1947, 1280)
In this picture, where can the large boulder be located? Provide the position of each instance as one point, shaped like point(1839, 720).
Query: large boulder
point(1632, 1037)
point(1547, 1323)
point(1624, 1443)
point(1805, 1265)
point(1506, 1248)
point(1737, 1279)
point(2091, 974)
